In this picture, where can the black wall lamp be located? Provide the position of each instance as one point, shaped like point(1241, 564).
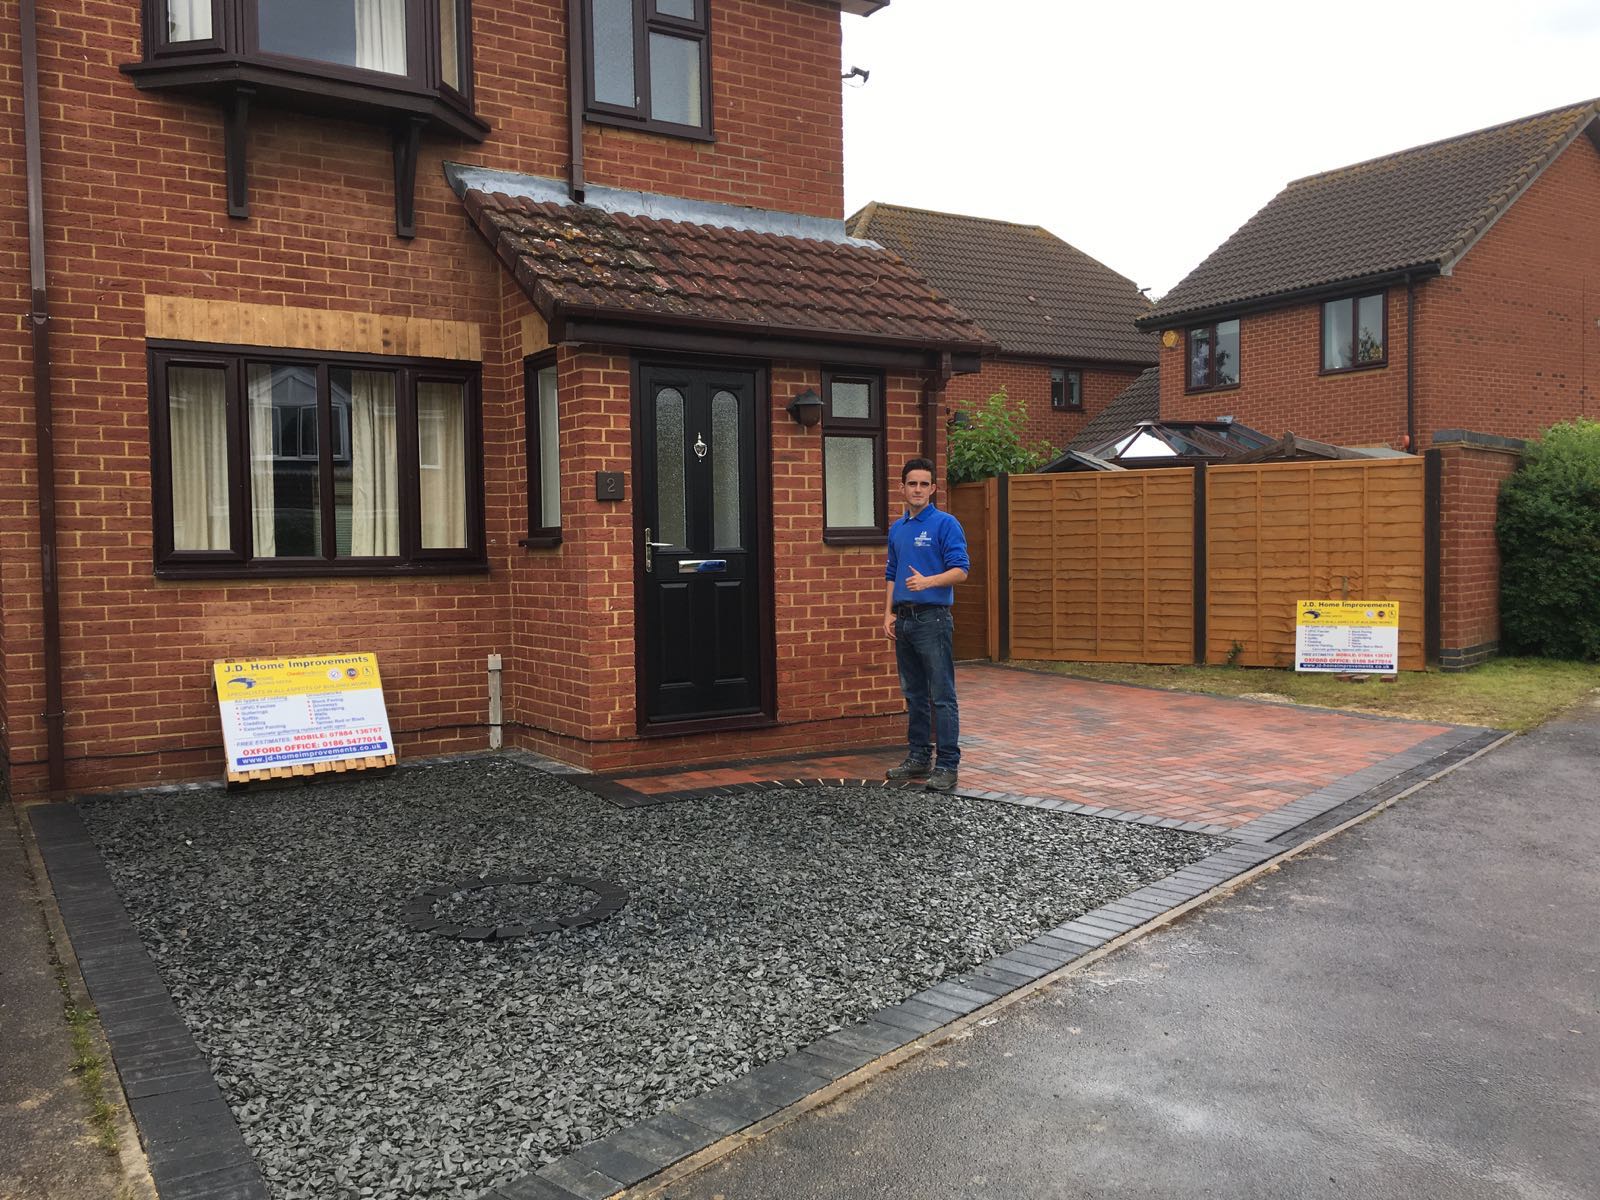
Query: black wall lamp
point(806, 408)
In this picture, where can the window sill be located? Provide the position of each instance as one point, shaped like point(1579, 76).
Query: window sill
point(1355, 370)
point(540, 541)
point(317, 570)
point(865, 538)
point(1200, 391)
point(686, 133)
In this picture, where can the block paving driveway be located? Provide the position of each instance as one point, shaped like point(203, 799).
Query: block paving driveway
point(1202, 760)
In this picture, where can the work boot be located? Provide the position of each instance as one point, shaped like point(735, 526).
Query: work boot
point(943, 779)
point(912, 768)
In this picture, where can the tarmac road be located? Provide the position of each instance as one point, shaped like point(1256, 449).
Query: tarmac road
point(1410, 1010)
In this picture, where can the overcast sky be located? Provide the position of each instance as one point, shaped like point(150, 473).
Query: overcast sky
point(1145, 132)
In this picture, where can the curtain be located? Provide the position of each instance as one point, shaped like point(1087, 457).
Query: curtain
point(442, 456)
point(449, 44)
point(381, 35)
point(197, 417)
point(375, 491)
point(188, 20)
point(263, 504)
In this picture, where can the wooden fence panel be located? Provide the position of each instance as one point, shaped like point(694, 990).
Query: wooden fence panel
point(977, 600)
point(1102, 566)
point(1277, 533)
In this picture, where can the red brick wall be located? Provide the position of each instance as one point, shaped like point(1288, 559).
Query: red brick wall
point(135, 205)
point(1469, 555)
point(1509, 343)
point(1281, 388)
point(1029, 382)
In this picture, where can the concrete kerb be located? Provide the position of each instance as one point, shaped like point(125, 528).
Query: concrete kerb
point(137, 1183)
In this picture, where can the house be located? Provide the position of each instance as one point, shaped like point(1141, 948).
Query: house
point(517, 343)
point(1152, 444)
point(1451, 286)
point(1064, 323)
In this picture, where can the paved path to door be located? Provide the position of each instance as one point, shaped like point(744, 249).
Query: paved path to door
point(1202, 760)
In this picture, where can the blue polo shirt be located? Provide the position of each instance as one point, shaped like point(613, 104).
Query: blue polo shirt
point(932, 542)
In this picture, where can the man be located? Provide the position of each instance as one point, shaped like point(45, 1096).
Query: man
point(927, 558)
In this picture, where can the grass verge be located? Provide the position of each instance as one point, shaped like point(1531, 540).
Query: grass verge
point(87, 1064)
point(1504, 693)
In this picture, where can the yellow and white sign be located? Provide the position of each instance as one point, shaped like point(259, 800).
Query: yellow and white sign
point(1347, 635)
point(302, 712)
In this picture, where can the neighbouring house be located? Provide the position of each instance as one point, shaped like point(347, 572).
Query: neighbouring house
point(1064, 322)
point(1451, 286)
point(457, 331)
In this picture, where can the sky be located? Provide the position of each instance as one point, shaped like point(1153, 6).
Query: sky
point(1145, 132)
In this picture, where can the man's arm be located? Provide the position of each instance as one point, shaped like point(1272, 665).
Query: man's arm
point(950, 578)
point(888, 610)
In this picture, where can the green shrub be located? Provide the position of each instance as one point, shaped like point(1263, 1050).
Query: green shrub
point(1549, 532)
point(991, 443)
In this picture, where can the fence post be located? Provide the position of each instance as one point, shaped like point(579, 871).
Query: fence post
point(1200, 564)
point(1002, 565)
point(1432, 524)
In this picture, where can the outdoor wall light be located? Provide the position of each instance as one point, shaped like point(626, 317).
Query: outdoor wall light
point(959, 420)
point(806, 408)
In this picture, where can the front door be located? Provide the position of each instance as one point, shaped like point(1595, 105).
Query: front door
point(701, 649)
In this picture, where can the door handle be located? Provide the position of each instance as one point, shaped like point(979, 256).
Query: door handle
point(650, 549)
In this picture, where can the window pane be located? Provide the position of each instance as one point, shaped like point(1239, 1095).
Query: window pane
point(442, 464)
point(852, 399)
point(725, 471)
point(366, 492)
point(1074, 389)
point(1369, 329)
point(1336, 335)
point(450, 44)
point(285, 487)
point(197, 419)
point(1058, 388)
point(851, 501)
point(370, 34)
point(676, 8)
point(671, 514)
point(674, 79)
point(188, 20)
point(1227, 353)
point(1199, 358)
point(613, 52)
point(549, 451)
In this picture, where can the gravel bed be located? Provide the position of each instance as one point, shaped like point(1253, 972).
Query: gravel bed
point(364, 1059)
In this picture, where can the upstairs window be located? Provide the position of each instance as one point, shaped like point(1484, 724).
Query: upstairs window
point(647, 65)
point(852, 458)
point(1213, 356)
point(1353, 333)
point(1066, 389)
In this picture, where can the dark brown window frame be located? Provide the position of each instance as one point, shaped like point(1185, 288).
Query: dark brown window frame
point(1211, 365)
point(1068, 376)
point(236, 562)
point(868, 428)
point(647, 19)
point(231, 69)
point(1354, 300)
point(541, 534)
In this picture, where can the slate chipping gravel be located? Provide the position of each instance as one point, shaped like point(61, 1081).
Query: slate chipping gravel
point(363, 1059)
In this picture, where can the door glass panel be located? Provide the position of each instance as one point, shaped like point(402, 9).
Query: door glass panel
point(442, 464)
point(671, 508)
point(725, 470)
point(613, 52)
point(852, 400)
point(850, 497)
point(674, 79)
point(366, 490)
point(370, 34)
point(197, 421)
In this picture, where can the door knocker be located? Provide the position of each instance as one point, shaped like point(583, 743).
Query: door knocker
point(700, 446)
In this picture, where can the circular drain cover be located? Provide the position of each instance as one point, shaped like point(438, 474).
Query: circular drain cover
point(419, 910)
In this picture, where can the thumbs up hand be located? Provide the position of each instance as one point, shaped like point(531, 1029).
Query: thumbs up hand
point(916, 582)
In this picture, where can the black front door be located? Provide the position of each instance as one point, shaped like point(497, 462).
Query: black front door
point(701, 649)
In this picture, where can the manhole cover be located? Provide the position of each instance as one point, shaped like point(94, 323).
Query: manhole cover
point(420, 912)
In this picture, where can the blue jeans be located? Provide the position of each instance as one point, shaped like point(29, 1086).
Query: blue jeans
point(922, 650)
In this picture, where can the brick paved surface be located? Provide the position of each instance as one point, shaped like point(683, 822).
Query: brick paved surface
point(1168, 754)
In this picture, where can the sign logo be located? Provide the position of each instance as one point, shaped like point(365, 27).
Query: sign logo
point(923, 539)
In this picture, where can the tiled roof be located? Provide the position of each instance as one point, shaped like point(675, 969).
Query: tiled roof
point(1139, 401)
point(581, 261)
point(1416, 209)
point(1031, 291)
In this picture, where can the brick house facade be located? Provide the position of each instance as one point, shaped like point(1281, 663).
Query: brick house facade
point(1489, 279)
point(334, 277)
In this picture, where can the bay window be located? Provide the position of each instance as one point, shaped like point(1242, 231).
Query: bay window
point(283, 462)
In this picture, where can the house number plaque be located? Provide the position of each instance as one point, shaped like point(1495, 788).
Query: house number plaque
point(608, 485)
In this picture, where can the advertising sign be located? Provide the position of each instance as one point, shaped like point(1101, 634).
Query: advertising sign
point(1347, 635)
point(302, 712)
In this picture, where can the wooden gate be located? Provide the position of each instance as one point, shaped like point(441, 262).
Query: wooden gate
point(977, 632)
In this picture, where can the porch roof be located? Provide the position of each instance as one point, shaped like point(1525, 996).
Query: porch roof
point(649, 262)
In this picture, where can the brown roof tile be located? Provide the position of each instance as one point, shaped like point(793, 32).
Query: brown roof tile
point(1030, 290)
point(1414, 210)
point(576, 260)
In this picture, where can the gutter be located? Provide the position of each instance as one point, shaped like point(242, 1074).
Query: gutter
point(43, 414)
